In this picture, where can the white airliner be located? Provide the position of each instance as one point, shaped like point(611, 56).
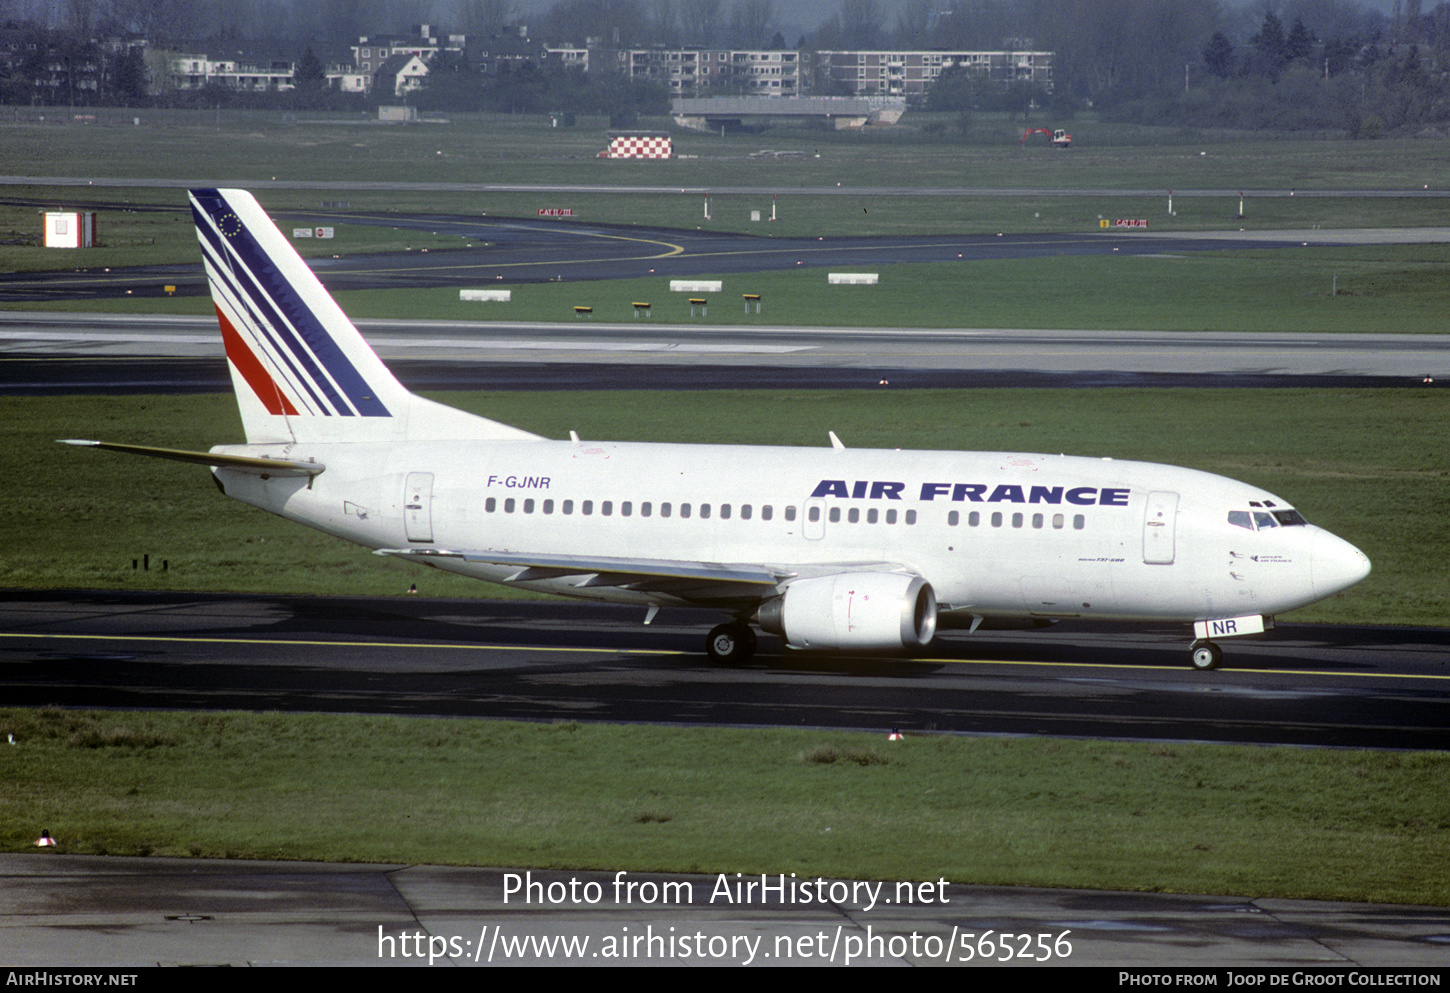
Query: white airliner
point(830, 548)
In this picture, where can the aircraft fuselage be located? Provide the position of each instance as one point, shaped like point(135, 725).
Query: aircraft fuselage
point(997, 535)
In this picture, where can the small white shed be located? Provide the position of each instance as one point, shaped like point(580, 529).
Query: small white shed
point(70, 229)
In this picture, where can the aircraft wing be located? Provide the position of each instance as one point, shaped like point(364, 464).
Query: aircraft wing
point(692, 582)
point(698, 583)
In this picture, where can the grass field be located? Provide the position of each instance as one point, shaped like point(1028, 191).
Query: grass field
point(495, 148)
point(1038, 812)
point(248, 149)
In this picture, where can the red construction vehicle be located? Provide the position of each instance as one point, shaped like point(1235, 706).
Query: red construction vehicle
point(1059, 138)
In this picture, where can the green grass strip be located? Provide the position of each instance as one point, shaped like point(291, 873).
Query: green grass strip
point(1373, 288)
point(1268, 822)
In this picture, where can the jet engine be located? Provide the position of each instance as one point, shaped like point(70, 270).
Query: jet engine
point(853, 610)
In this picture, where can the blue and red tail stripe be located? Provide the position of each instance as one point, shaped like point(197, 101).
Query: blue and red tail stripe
point(241, 355)
point(294, 339)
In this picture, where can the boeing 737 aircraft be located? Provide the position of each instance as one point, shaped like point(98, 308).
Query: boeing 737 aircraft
point(830, 548)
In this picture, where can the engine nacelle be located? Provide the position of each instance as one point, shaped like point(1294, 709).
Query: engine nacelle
point(855, 610)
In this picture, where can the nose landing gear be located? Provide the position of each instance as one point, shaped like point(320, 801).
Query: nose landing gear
point(1205, 655)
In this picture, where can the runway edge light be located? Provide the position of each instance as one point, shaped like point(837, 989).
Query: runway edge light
point(45, 840)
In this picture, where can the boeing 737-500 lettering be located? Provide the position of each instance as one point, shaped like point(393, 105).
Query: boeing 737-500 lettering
point(830, 548)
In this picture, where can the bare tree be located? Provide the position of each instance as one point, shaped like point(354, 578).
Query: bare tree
point(80, 15)
point(701, 22)
point(752, 22)
point(913, 25)
point(482, 18)
point(862, 24)
point(662, 24)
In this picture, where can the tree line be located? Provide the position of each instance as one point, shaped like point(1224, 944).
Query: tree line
point(1284, 64)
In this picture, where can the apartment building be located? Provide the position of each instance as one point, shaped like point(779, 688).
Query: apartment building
point(910, 74)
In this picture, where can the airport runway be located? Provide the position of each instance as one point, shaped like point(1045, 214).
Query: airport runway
point(524, 250)
point(72, 352)
point(560, 660)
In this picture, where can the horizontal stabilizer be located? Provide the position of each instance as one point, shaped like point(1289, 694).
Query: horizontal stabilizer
point(243, 463)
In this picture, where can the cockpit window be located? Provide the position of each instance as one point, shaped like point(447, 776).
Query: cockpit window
point(1260, 520)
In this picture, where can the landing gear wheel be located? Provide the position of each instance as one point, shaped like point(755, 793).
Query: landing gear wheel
point(730, 643)
point(1205, 655)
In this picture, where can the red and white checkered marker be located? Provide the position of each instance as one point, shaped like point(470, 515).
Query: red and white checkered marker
point(640, 147)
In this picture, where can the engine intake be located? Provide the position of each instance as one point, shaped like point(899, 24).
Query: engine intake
point(854, 610)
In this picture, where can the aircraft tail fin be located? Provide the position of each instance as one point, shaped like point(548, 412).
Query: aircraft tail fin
point(301, 370)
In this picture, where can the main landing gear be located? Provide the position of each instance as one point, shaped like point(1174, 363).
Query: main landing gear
point(1205, 655)
point(730, 643)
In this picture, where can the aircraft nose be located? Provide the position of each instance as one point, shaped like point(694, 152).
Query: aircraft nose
point(1335, 564)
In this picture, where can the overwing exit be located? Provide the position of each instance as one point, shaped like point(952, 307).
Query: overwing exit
point(834, 548)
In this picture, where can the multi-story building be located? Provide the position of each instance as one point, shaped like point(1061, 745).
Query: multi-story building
point(371, 51)
point(910, 73)
point(690, 72)
point(250, 75)
point(192, 72)
point(569, 57)
point(698, 72)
